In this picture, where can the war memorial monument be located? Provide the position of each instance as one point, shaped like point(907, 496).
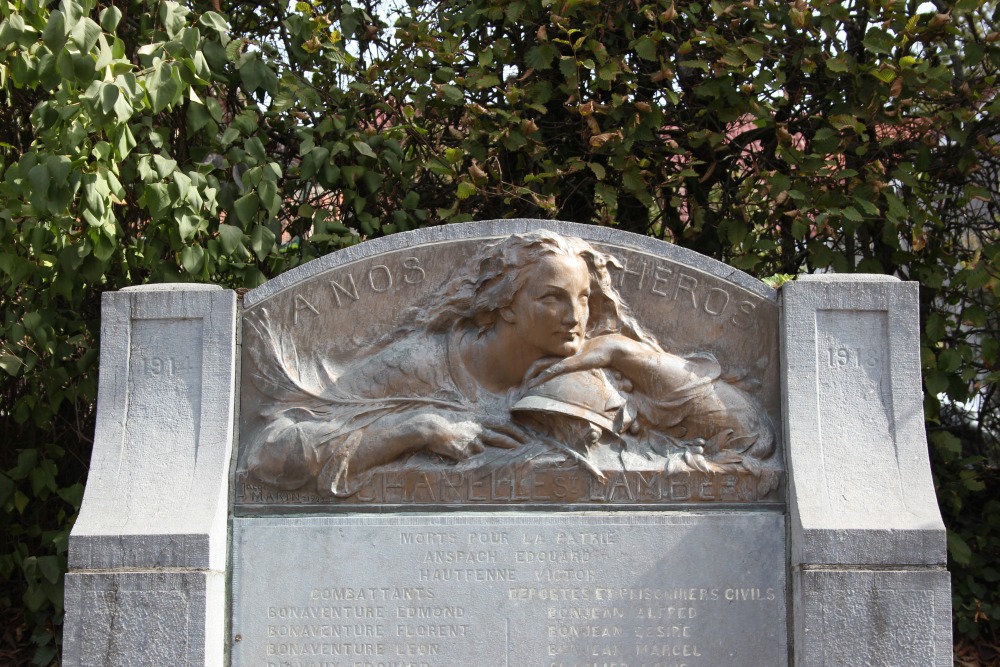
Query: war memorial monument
point(511, 443)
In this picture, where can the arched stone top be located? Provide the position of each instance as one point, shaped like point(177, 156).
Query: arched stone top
point(499, 228)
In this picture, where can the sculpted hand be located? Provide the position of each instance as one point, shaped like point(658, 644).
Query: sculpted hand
point(460, 440)
point(454, 440)
point(613, 351)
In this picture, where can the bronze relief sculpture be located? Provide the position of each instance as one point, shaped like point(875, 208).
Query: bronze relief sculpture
point(527, 355)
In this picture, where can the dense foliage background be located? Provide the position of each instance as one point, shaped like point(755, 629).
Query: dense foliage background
point(153, 140)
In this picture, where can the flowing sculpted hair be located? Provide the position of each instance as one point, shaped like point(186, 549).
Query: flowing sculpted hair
point(488, 282)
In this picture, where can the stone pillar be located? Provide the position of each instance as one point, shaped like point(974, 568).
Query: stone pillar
point(868, 554)
point(147, 556)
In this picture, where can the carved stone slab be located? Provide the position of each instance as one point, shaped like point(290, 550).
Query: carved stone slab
point(376, 317)
point(148, 553)
point(555, 590)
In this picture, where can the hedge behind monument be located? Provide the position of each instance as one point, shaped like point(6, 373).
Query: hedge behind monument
point(158, 141)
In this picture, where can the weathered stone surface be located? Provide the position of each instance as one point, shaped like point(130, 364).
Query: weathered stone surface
point(346, 345)
point(880, 618)
point(157, 493)
point(686, 588)
point(860, 491)
point(516, 589)
point(148, 619)
point(497, 486)
point(157, 489)
point(860, 482)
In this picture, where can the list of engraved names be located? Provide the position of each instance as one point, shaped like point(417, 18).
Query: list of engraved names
point(582, 594)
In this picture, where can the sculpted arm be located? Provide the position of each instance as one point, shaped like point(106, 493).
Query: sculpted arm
point(651, 371)
point(679, 393)
point(396, 435)
point(349, 462)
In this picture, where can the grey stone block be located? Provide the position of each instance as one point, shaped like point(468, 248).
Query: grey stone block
point(157, 491)
point(876, 618)
point(154, 619)
point(148, 553)
point(859, 476)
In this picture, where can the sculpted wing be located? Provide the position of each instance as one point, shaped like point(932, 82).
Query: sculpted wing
point(273, 363)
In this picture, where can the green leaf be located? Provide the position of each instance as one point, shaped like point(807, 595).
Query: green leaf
point(842, 121)
point(753, 51)
point(958, 548)
point(645, 48)
point(173, 16)
point(256, 75)
point(884, 74)
point(949, 360)
point(38, 178)
point(539, 57)
point(161, 86)
point(109, 97)
point(936, 382)
point(734, 58)
point(50, 568)
point(44, 655)
point(85, 35)
point(878, 40)
point(453, 94)
point(231, 238)
point(935, 328)
point(866, 205)
point(164, 166)
point(229, 136)
point(261, 241)
point(110, 16)
point(852, 213)
point(10, 364)
point(364, 149)
point(192, 259)
point(20, 503)
point(187, 225)
point(513, 11)
point(84, 66)
point(946, 443)
point(567, 66)
point(27, 459)
point(215, 22)
point(465, 190)
point(54, 35)
point(977, 316)
point(214, 109)
point(246, 208)
point(971, 480)
point(633, 181)
point(255, 149)
point(197, 117)
point(190, 37)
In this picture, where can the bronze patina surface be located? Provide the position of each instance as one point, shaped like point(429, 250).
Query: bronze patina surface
point(528, 368)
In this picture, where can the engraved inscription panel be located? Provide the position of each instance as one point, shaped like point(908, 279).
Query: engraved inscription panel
point(648, 590)
point(855, 397)
point(164, 400)
point(417, 377)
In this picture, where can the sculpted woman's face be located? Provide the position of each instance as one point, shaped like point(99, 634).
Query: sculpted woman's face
point(550, 311)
